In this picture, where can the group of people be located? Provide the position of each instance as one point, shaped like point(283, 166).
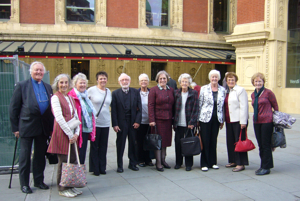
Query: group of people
point(36, 113)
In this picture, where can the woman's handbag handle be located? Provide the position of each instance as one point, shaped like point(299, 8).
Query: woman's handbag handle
point(154, 129)
point(76, 152)
point(240, 138)
point(187, 132)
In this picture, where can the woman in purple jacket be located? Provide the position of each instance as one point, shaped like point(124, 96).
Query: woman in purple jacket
point(263, 100)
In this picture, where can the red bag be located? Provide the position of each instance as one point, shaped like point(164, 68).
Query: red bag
point(244, 146)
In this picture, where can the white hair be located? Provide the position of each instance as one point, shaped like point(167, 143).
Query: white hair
point(33, 64)
point(185, 76)
point(122, 75)
point(79, 76)
point(214, 72)
point(193, 84)
point(56, 80)
point(143, 75)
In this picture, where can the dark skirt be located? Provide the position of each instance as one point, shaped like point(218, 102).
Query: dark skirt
point(164, 128)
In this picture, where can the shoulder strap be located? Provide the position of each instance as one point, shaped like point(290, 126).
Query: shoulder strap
point(102, 103)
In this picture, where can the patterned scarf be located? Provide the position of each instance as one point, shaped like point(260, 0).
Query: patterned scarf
point(85, 113)
point(255, 105)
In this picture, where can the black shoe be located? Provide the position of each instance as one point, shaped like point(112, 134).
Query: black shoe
point(160, 169)
point(142, 164)
point(149, 164)
point(263, 172)
point(103, 172)
point(41, 186)
point(133, 167)
point(26, 189)
point(96, 174)
point(177, 167)
point(188, 168)
point(120, 170)
point(258, 170)
point(166, 166)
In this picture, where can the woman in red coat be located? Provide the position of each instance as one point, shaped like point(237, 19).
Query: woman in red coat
point(160, 109)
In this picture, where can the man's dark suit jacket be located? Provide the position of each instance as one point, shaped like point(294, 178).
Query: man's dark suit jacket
point(172, 83)
point(117, 108)
point(25, 114)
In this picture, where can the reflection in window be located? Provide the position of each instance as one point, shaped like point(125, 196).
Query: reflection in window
point(293, 48)
point(220, 16)
point(157, 13)
point(155, 68)
point(5, 9)
point(80, 66)
point(80, 10)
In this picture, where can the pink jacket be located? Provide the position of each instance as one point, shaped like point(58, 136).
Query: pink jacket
point(92, 136)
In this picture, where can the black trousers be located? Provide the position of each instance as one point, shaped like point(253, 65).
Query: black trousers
point(209, 135)
point(179, 133)
point(64, 159)
point(39, 161)
point(98, 151)
point(232, 136)
point(263, 133)
point(142, 155)
point(82, 150)
point(129, 131)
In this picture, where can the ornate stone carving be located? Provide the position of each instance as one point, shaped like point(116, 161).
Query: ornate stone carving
point(101, 65)
point(141, 67)
point(59, 65)
point(142, 14)
point(280, 14)
point(268, 14)
point(60, 6)
point(253, 50)
point(120, 70)
point(233, 15)
point(15, 11)
point(176, 15)
point(192, 72)
point(100, 9)
point(211, 15)
point(176, 70)
point(267, 64)
point(280, 55)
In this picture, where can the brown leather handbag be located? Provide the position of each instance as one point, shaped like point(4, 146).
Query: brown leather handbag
point(198, 134)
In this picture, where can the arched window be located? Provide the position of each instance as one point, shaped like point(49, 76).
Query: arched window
point(293, 45)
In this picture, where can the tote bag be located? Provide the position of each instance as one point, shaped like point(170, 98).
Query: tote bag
point(152, 141)
point(190, 146)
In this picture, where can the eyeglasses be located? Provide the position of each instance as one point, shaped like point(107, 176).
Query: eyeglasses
point(40, 98)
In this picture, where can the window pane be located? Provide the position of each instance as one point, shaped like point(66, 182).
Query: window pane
point(157, 13)
point(293, 49)
point(5, 9)
point(80, 10)
point(221, 15)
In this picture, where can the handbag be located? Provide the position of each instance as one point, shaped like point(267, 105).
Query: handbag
point(73, 175)
point(278, 138)
point(152, 141)
point(190, 146)
point(245, 145)
point(198, 134)
point(74, 122)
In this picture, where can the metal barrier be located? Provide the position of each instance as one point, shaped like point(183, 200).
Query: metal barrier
point(11, 71)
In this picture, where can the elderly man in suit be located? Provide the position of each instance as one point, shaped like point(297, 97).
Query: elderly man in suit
point(126, 116)
point(32, 120)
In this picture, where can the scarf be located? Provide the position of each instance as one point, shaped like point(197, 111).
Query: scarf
point(85, 113)
point(255, 106)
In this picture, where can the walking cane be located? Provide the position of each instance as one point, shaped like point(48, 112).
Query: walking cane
point(12, 167)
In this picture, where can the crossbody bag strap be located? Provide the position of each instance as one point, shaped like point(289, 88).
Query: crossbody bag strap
point(102, 103)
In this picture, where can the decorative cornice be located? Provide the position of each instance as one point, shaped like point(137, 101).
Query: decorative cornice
point(234, 38)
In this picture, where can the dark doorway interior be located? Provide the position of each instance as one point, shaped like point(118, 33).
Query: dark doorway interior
point(80, 66)
point(223, 69)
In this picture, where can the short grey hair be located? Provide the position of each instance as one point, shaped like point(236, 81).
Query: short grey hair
point(79, 76)
point(122, 75)
point(185, 76)
point(162, 72)
point(214, 72)
point(33, 64)
point(143, 75)
point(56, 80)
point(193, 84)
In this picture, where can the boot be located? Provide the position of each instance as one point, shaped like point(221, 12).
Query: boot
point(158, 160)
point(163, 158)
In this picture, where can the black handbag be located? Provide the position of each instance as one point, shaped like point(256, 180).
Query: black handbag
point(190, 146)
point(152, 141)
point(278, 138)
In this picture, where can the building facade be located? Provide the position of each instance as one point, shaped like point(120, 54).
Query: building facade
point(259, 33)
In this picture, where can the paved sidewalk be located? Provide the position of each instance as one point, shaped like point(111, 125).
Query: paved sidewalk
point(148, 184)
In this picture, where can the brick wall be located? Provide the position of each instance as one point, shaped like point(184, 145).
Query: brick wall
point(195, 16)
point(250, 11)
point(122, 13)
point(37, 11)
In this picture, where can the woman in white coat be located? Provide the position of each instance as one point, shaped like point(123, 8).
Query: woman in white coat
point(211, 102)
point(236, 117)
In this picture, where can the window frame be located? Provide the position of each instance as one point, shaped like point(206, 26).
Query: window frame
point(8, 5)
point(78, 22)
point(159, 27)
